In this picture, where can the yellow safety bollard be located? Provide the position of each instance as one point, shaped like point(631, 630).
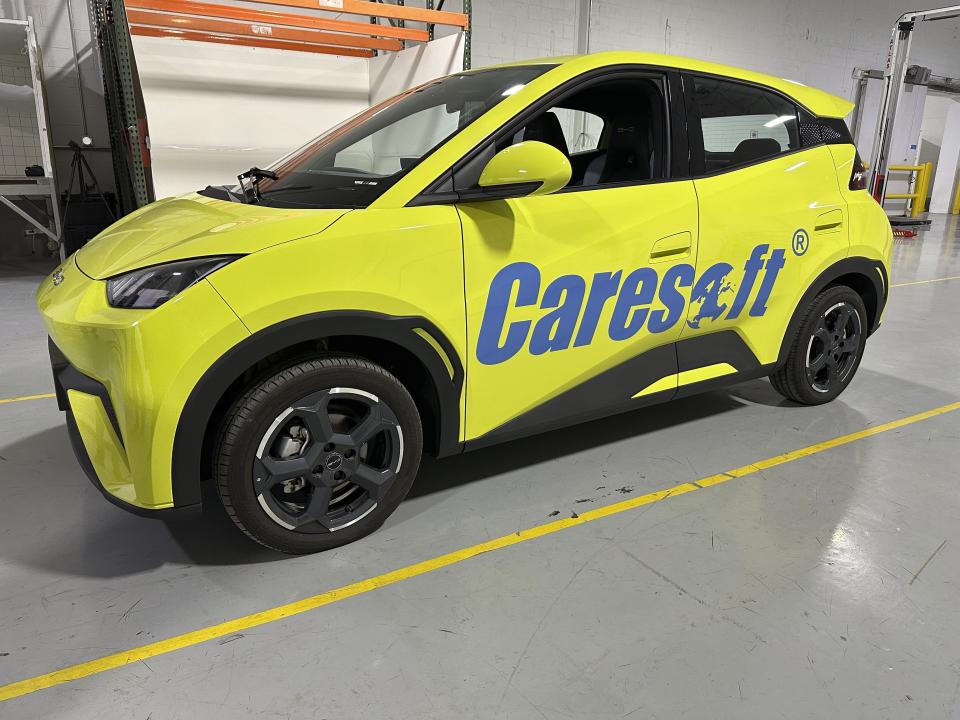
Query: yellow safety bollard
point(917, 197)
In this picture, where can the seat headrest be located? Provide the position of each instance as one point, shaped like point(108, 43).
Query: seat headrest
point(546, 129)
point(627, 134)
point(754, 149)
point(628, 150)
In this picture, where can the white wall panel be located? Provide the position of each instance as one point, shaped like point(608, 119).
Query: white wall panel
point(216, 110)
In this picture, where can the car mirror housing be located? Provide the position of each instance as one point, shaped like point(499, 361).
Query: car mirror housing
point(531, 166)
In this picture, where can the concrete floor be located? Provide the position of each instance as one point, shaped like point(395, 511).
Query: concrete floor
point(791, 593)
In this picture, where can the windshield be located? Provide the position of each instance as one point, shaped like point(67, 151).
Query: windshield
point(352, 164)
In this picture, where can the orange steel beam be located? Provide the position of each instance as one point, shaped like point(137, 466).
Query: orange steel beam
point(271, 17)
point(375, 9)
point(258, 30)
point(248, 41)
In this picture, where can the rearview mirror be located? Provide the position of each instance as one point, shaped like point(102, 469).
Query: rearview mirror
point(530, 167)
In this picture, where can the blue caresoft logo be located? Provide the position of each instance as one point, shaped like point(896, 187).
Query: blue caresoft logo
point(573, 312)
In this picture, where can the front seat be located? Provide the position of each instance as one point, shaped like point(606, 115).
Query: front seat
point(627, 156)
point(546, 129)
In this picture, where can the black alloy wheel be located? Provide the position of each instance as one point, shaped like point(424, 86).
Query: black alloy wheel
point(318, 453)
point(327, 460)
point(834, 347)
point(826, 347)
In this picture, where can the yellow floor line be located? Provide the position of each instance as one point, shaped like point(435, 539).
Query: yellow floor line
point(179, 642)
point(23, 398)
point(924, 282)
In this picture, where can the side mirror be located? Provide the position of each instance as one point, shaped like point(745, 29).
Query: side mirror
point(530, 167)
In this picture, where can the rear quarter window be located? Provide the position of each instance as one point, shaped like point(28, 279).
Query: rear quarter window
point(741, 124)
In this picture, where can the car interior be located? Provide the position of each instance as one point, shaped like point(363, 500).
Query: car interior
point(632, 142)
point(742, 124)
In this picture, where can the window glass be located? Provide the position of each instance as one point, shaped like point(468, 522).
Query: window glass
point(743, 124)
point(612, 131)
point(581, 129)
point(351, 165)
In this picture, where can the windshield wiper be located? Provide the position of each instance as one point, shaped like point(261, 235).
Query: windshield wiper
point(255, 175)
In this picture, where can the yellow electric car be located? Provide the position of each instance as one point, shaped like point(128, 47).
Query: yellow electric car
point(491, 254)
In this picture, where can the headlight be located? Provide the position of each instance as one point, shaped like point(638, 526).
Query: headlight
point(150, 287)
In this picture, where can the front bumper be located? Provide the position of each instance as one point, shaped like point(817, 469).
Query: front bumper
point(123, 377)
point(99, 420)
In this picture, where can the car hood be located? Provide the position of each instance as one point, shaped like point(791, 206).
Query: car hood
point(195, 226)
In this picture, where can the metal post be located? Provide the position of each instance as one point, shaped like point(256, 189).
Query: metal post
point(76, 67)
point(128, 92)
point(893, 76)
point(428, 4)
point(400, 23)
point(897, 57)
point(858, 96)
point(467, 52)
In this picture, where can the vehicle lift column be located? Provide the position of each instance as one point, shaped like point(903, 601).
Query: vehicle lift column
point(898, 56)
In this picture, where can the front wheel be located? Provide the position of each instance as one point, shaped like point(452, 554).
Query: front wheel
point(319, 454)
point(826, 351)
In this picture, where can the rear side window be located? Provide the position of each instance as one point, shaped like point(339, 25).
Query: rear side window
point(742, 124)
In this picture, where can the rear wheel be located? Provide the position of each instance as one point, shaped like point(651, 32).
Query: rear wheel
point(826, 351)
point(319, 454)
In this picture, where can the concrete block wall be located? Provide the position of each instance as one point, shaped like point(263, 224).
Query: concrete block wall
point(506, 30)
point(54, 29)
point(818, 42)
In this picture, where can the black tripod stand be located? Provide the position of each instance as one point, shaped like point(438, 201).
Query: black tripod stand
point(80, 170)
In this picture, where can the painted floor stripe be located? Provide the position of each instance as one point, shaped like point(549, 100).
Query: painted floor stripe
point(23, 398)
point(179, 642)
point(924, 282)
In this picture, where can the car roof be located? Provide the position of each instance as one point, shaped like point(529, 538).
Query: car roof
point(813, 99)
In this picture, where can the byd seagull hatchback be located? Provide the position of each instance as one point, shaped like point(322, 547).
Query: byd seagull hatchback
point(492, 254)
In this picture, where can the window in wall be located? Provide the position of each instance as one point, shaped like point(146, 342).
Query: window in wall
point(612, 132)
point(742, 124)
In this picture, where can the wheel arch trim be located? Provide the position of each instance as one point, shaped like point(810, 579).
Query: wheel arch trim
point(872, 272)
point(186, 464)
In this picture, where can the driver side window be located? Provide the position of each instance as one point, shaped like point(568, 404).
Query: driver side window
point(613, 132)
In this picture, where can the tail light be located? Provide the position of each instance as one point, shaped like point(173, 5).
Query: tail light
point(858, 178)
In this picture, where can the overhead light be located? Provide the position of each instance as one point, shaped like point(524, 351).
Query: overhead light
point(513, 90)
point(779, 120)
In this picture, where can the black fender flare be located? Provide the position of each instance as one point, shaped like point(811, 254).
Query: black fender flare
point(872, 271)
point(186, 465)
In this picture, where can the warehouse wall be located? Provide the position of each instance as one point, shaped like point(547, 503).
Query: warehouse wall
point(818, 42)
point(67, 118)
point(209, 122)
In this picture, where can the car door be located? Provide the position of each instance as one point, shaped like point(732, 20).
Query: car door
point(771, 219)
point(574, 300)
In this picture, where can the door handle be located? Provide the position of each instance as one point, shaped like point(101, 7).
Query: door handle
point(672, 246)
point(829, 221)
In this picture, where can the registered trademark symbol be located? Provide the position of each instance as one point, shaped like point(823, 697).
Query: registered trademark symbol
point(801, 241)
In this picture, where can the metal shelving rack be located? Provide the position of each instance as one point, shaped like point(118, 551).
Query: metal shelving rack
point(117, 20)
point(28, 189)
point(126, 115)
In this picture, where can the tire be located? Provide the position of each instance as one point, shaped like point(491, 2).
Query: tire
point(826, 350)
point(318, 454)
